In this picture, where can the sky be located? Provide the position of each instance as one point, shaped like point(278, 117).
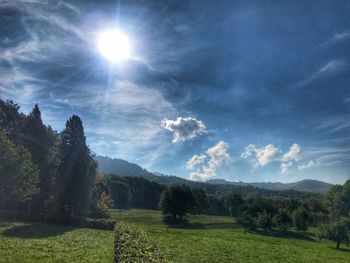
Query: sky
point(241, 90)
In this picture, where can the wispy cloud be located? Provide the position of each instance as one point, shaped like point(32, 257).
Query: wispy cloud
point(330, 68)
point(336, 38)
point(308, 165)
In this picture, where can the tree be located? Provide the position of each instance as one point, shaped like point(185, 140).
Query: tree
point(177, 201)
point(283, 220)
point(336, 232)
point(77, 170)
point(233, 202)
point(201, 202)
point(335, 201)
point(11, 121)
point(264, 220)
point(39, 140)
point(101, 199)
point(18, 175)
point(301, 219)
point(246, 221)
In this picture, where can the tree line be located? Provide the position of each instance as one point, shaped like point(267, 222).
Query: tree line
point(46, 172)
point(330, 214)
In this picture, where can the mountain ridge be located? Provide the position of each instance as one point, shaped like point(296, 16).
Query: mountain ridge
point(121, 167)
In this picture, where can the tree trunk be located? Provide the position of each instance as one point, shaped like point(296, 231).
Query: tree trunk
point(338, 244)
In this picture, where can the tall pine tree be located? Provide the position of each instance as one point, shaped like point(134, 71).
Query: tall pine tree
point(39, 141)
point(77, 171)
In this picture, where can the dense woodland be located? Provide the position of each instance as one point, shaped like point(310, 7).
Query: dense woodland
point(45, 172)
point(53, 174)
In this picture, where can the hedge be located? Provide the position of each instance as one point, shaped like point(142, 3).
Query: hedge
point(131, 244)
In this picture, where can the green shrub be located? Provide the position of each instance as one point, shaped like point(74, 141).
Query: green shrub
point(131, 244)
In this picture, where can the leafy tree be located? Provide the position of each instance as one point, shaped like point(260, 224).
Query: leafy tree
point(177, 201)
point(301, 219)
point(18, 175)
point(217, 205)
point(336, 232)
point(265, 221)
point(201, 202)
point(283, 220)
point(77, 170)
point(101, 199)
point(335, 202)
point(246, 221)
point(233, 202)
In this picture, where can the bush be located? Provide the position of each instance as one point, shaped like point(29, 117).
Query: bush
point(131, 244)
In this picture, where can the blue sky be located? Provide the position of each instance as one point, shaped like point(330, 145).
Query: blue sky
point(240, 90)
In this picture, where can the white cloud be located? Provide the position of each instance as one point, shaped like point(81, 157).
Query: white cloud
point(215, 156)
point(269, 153)
point(285, 167)
point(293, 153)
point(260, 156)
point(266, 154)
point(195, 161)
point(308, 165)
point(184, 128)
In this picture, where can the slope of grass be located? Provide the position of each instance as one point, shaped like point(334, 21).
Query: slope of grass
point(22, 242)
point(205, 239)
point(217, 239)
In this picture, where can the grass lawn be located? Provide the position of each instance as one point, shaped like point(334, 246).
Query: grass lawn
point(22, 242)
point(204, 239)
point(217, 239)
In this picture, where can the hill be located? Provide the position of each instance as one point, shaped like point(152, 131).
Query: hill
point(121, 167)
point(313, 186)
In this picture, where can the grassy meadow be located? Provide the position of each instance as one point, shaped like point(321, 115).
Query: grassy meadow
point(204, 239)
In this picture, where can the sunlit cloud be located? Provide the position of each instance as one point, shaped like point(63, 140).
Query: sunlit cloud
point(184, 128)
point(207, 164)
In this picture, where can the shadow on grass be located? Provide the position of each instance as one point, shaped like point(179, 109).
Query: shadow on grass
point(36, 231)
point(343, 249)
point(183, 223)
point(285, 234)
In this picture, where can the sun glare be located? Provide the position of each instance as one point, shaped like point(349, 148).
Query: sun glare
point(114, 45)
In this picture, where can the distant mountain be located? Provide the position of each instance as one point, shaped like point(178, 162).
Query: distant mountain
point(312, 186)
point(121, 167)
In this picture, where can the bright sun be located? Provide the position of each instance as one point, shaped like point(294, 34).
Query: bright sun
point(114, 45)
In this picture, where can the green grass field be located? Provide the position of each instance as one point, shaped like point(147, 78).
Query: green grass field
point(204, 239)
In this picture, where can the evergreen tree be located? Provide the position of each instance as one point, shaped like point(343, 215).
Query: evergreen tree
point(39, 141)
point(77, 170)
point(11, 121)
